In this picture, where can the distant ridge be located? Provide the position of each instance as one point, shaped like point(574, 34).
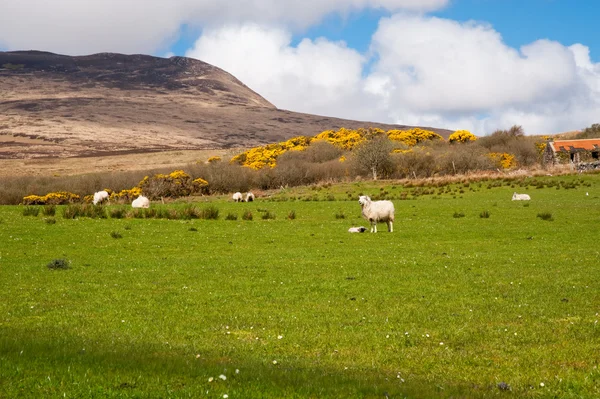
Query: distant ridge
point(55, 105)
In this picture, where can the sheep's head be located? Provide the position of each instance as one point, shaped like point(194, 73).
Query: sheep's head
point(363, 200)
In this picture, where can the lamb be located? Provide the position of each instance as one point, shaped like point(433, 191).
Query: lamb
point(249, 197)
point(141, 202)
point(521, 197)
point(237, 197)
point(100, 197)
point(360, 229)
point(377, 211)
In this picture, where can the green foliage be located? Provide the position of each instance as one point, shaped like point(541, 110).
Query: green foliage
point(210, 212)
point(13, 67)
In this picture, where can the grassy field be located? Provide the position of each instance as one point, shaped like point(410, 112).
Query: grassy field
point(452, 304)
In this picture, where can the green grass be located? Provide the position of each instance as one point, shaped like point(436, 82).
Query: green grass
point(514, 299)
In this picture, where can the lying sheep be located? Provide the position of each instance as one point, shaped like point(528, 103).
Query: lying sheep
point(237, 197)
point(377, 211)
point(100, 197)
point(360, 229)
point(521, 197)
point(249, 197)
point(141, 202)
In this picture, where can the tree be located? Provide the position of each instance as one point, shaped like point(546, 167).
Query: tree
point(374, 155)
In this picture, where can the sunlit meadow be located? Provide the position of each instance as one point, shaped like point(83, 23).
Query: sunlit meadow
point(451, 304)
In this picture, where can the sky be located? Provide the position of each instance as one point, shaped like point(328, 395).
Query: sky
point(480, 65)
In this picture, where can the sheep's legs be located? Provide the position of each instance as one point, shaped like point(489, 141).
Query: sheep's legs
point(390, 226)
point(373, 227)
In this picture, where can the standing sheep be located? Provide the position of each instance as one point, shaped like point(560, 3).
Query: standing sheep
point(100, 197)
point(141, 202)
point(377, 211)
point(237, 197)
point(521, 197)
point(249, 197)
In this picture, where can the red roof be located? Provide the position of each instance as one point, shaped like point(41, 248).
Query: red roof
point(576, 145)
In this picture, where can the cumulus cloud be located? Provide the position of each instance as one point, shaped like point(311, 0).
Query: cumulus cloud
point(314, 76)
point(135, 26)
point(441, 70)
point(423, 71)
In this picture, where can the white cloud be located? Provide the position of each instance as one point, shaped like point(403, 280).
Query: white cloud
point(451, 73)
point(146, 26)
point(425, 71)
point(315, 76)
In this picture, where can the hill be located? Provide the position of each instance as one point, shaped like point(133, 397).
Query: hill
point(108, 104)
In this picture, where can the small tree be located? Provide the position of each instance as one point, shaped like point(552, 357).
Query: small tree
point(374, 155)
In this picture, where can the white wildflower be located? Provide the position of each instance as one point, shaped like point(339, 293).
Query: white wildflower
point(223, 377)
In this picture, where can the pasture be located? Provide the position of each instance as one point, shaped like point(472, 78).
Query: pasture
point(452, 304)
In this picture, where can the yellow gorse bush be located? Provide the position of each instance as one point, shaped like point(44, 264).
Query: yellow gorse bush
point(58, 198)
point(504, 159)
point(214, 159)
point(346, 139)
point(461, 136)
point(413, 136)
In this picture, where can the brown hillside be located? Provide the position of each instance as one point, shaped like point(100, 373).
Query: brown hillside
point(107, 104)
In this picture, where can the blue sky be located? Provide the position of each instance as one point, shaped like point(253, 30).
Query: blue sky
point(475, 64)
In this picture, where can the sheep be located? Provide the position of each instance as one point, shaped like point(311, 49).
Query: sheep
point(360, 229)
point(237, 197)
point(249, 197)
point(141, 202)
point(377, 211)
point(100, 197)
point(520, 197)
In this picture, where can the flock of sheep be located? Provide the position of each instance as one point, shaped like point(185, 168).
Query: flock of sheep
point(373, 211)
point(102, 197)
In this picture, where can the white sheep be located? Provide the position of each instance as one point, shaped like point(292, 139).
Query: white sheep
point(100, 197)
point(141, 202)
point(360, 229)
point(377, 211)
point(521, 197)
point(249, 197)
point(237, 197)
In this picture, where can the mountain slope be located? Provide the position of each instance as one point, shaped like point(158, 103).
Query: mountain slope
point(61, 106)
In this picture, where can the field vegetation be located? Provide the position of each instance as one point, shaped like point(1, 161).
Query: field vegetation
point(203, 297)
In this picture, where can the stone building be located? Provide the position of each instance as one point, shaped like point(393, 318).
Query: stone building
point(572, 151)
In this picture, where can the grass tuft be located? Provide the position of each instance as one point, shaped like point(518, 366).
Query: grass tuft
point(545, 216)
point(458, 215)
point(58, 264)
point(231, 216)
point(31, 210)
point(116, 234)
point(484, 215)
point(247, 215)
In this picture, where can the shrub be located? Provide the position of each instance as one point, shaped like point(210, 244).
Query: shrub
point(115, 234)
point(210, 212)
point(292, 215)
point(247, 215)
point(545, 216)
point(49, 210)
point(31, 211)
point(231, 216)
point(484, 215)
point(58, 264)
point(461, 136)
